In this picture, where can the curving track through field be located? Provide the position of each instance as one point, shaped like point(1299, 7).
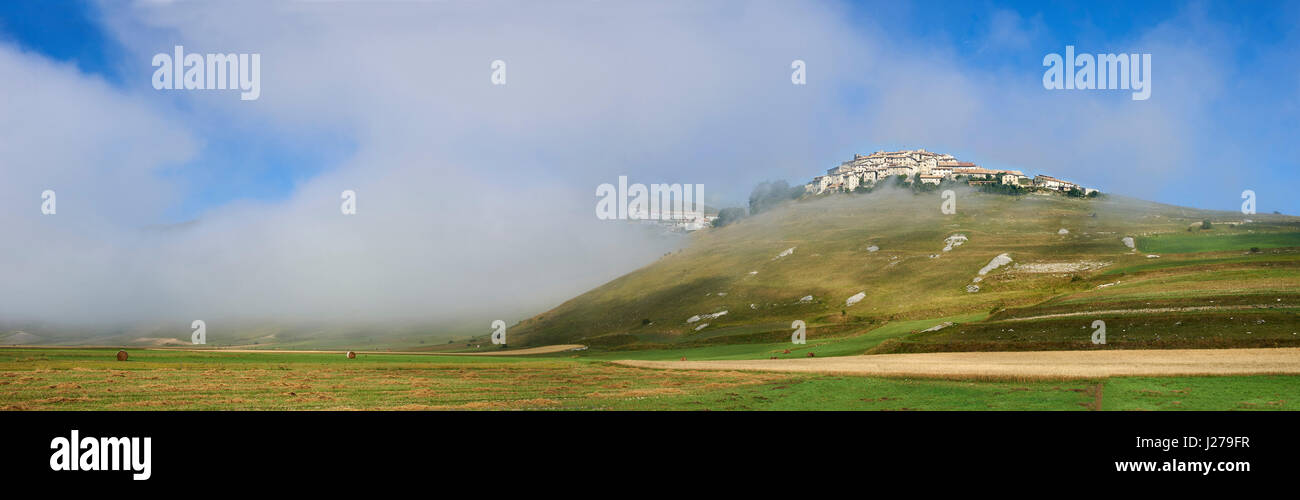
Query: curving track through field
point(1033, 364)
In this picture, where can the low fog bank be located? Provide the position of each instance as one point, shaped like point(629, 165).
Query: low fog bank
point(413, 254)
point(475, 201)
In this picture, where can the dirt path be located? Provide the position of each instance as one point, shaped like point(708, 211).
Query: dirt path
point(545, 349)
point(1151, 310)
point(1038, 364)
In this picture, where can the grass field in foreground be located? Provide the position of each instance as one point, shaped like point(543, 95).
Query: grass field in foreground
point(50, 379)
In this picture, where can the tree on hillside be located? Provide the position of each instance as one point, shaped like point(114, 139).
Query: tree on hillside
point(921, 187)
point(769, 194)
point(1008, 189)
point(729, 215)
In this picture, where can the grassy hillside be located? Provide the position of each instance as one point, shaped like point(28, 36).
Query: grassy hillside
point(1206, 287)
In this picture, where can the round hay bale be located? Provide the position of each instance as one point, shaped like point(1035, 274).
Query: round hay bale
point(352, 355)
point(121, 355)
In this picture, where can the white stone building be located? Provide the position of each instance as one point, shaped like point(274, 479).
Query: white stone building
point(1053, 183)
point(923, 166)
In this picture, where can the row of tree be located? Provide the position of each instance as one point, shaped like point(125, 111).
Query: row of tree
point(765, 196)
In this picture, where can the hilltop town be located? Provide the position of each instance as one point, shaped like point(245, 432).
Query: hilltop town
point(926, 167)
point(918, 168)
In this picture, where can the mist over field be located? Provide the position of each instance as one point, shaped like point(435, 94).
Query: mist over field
point(475, 201)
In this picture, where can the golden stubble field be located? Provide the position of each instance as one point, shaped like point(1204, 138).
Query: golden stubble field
point(41, 384)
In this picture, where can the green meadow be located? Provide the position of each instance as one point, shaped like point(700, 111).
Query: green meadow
point(1196, 241)
point(89, 379)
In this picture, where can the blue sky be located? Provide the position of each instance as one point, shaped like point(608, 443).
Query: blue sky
point(66, 30)
point(1003, 38)
point(1256, 113)
point(233, 164)
point(476, 200)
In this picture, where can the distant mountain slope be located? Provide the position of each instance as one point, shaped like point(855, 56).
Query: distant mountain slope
point(889, 246)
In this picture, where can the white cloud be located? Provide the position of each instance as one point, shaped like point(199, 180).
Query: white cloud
point(1007, 29)
point(476, 201)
